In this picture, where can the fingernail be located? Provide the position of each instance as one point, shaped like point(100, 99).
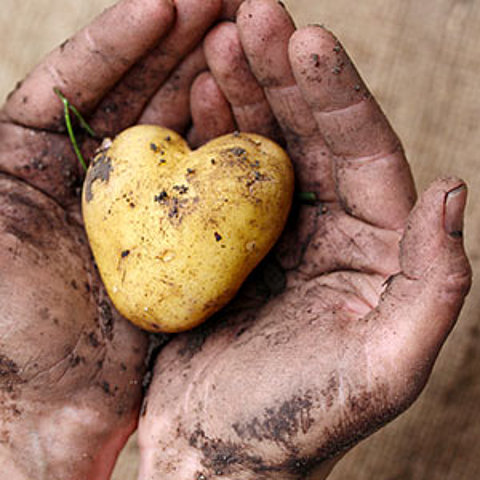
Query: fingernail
point(455, 201)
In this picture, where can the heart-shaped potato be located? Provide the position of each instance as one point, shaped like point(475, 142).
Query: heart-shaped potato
point(175, 232)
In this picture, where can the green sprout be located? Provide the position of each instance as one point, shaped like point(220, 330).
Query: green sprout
point(67, 107)
point(307, 197)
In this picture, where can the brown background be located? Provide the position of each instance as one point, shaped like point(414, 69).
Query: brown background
point(422, 61)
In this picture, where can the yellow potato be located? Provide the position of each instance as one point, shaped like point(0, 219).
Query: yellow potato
point(175, 232)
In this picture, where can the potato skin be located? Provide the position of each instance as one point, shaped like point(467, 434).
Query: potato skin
point(175, 232)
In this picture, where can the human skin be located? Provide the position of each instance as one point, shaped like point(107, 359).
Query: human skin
point(337, 332)
point(71, 368)
point(333, 336)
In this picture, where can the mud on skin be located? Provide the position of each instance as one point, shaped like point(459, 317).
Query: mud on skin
point(222, 459)
point(281, 426)
point(93, 362)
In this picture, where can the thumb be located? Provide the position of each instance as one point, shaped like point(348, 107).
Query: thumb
point(434, 232)
point(420, 305)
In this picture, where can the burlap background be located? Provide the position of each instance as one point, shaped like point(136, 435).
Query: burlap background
point(422, 61)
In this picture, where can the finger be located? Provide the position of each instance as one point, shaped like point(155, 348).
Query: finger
point(229, 66)
point(88, 64)
point(211, 112)
point(265, 29)
point(371, 168)
point(125, 103)
point(421, 305)
point(170, 107)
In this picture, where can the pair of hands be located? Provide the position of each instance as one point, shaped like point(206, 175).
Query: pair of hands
point(333, 335)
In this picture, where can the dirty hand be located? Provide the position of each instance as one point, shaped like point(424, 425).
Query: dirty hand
point(337, 332)
point(70, 367)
